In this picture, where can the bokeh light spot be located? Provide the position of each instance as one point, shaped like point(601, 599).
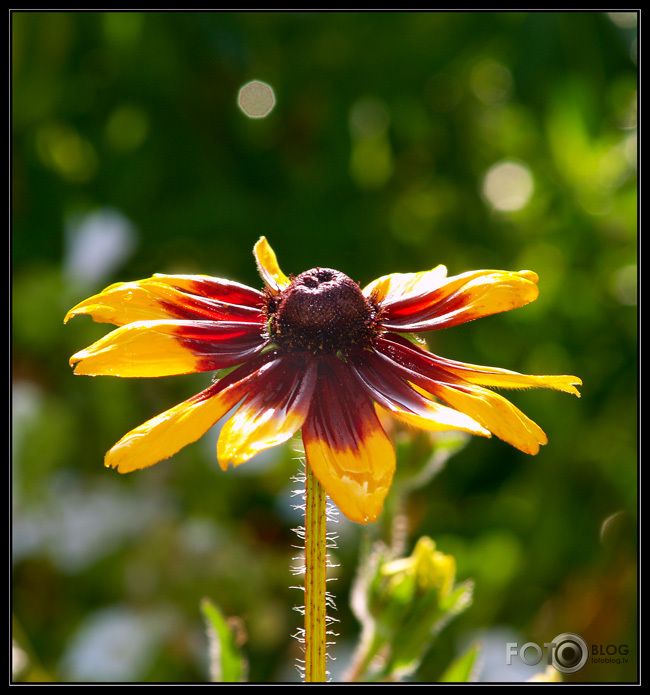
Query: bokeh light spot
point(122, 28)
point(625, 20)
point(256, 99)
point(508, 186)
point(368, 118)
point(491, 82)
point(127, 128)
point(371, 158)
point(97, 243)
point(624, 284)
point(70, 154)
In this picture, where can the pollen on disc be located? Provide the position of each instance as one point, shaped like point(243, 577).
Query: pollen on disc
point(256, 99)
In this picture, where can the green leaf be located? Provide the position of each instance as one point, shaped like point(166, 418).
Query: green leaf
point(463, 669)
point(227, 665)
point(458, 601)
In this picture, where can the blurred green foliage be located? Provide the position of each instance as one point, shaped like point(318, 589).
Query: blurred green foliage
point(399, 140)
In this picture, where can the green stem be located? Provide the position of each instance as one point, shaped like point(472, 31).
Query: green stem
point(315, 574)
point(368, 649)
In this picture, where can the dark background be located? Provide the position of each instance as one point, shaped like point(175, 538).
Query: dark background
point(394, 139)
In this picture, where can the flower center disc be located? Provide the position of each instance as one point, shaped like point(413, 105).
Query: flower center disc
point(322, 311)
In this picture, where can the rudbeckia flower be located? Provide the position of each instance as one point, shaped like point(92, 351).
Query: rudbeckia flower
point(314, 353)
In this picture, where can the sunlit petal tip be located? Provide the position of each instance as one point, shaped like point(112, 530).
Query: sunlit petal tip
point(565, 383)
point(117, 457)
point(231, 452)
point(97, 306)
point(529, 275)
point(86, 307)
point(396, 285)
point(532, 446)
point(83, 365)
point(267, 264)
point(228, 456)
point(497, 414)
point(238, 445)
point(356, 482)
point(271, 414)
point(224, 463)
point(75, 359)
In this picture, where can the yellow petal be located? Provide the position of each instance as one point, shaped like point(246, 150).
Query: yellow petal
point(267, 264)
point(424, 363)
point(439, 419)
point(168, 296)
point(271, 415)
point(356, 478)
point(167, 433)
point(127, 302)
point(346, 446)
point(460, 299)
point(164, 348)
point(495, 413)
point(213, 288)
point(504, 378)
point(391, 287)
point(380, 377)
point(141, 349)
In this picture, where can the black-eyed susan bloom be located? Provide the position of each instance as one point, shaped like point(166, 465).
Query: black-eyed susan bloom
point(314, 353)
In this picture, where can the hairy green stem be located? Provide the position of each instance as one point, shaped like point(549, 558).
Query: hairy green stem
point(315, 576)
